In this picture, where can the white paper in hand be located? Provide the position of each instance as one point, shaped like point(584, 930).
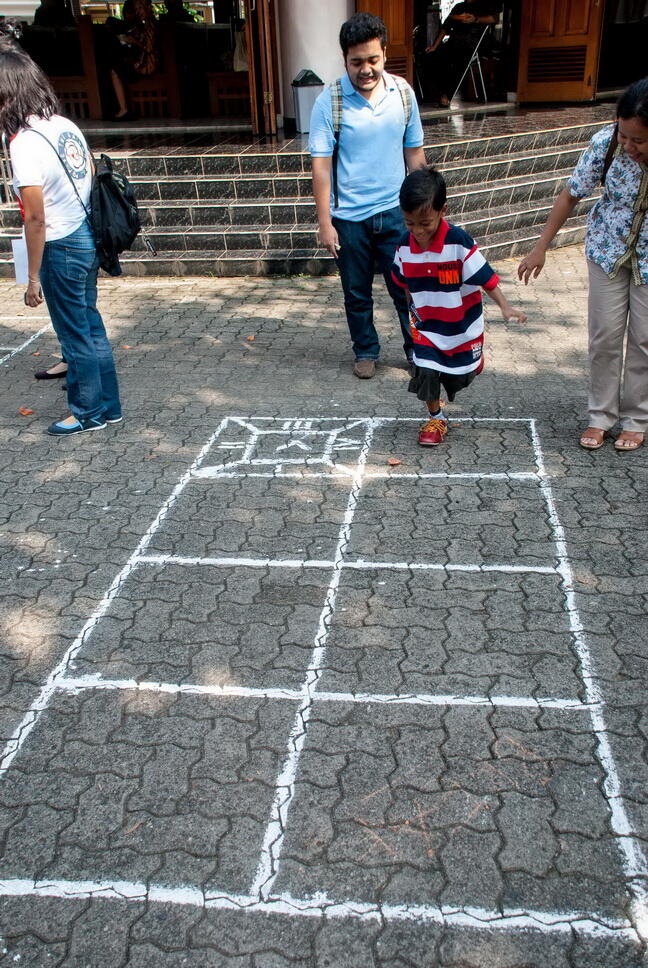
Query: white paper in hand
point(19, 249)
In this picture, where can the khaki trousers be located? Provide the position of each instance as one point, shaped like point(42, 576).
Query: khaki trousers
point(618, 314)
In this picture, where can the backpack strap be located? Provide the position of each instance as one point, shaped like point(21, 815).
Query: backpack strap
point(610, 153)
point(405, 92)
point(335, 90)
point(336, 113)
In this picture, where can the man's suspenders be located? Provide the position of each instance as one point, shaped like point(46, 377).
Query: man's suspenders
point(336, 109)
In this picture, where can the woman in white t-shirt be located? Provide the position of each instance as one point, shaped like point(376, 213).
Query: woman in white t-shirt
point(52, 176)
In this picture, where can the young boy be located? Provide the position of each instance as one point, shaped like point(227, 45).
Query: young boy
point(444, 272)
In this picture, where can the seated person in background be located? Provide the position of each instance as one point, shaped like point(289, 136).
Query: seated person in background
point(177, 13)
point(128, 19)
point(463, 27)
point(136, 55)
point(53, 13)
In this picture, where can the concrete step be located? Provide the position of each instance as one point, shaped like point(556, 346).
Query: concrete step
point(259, 187)
point(306, 261)
point(202, 215)
point(441, 149)
point(221, 238)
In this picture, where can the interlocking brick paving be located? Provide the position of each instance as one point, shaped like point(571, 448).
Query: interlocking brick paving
point(269, 699)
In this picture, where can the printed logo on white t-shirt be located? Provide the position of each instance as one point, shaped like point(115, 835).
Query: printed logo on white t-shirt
point(72, 151)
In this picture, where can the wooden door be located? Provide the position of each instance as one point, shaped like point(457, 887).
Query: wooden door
point(398, 17)
point(559, 49)
point(261, 44)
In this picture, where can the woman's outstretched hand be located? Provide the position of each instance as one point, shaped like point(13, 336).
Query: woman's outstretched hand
point(531, 266)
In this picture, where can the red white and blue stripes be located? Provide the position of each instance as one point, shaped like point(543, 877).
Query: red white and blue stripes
point(445, 282)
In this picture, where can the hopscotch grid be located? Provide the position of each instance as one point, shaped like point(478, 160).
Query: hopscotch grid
point(261, 897)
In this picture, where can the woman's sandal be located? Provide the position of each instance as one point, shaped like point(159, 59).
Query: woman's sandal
point(592, 438)
point(629, 440)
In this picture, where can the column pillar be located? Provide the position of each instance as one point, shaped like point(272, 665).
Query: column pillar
point(308, 38)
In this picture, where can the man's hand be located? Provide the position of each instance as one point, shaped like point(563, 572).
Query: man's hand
point(328, 239)
point(531, 265)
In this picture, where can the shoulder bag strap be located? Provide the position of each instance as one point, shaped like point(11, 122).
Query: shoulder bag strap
point(64, 167)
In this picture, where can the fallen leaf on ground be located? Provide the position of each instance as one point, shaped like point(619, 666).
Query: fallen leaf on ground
point(134, 827)
point(36, 354)
point(393, 461)
point(25, 411)
point(125, 346)
point(250, 339)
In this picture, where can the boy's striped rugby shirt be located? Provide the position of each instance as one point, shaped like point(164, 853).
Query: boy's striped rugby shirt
point(445, 283)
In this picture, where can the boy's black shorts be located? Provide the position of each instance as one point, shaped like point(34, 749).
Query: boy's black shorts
point(426, 383)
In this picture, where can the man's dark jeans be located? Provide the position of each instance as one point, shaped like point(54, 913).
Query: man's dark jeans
point(363, 244)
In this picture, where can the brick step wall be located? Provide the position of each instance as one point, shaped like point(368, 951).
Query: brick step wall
point(250, 211)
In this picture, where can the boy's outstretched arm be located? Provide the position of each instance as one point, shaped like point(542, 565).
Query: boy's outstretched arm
point(532, 264)
point(507, 311)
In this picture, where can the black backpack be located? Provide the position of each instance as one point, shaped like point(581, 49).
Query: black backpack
point(113, 215)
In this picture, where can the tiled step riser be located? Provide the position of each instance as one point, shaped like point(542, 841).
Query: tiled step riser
point(227, 212)
point(298, 238)
point(300, 186)
point(242, 200)
point(277, 163)
point(489, 168)
point(295, 234)
point(286, 264)
point(520, 247)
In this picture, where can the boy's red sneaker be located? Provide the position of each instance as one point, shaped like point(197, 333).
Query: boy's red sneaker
point(433, 432)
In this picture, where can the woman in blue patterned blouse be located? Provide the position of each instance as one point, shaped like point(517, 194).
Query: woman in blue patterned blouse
point(616, 248)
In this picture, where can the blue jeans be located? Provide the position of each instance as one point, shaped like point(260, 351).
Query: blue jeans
point(69, 280)
point(363, 244)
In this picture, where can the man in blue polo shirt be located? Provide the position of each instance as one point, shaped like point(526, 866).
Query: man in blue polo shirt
point(356, 192)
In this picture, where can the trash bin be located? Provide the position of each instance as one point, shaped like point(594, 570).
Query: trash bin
point(306, 87)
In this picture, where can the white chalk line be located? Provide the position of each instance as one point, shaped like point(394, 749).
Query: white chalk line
point(75, 684)
point(32, 716)
point(342, 471)
point(23, 346)
point(285, 785)
point(322, 906)
point(245, 421)
point(359, 564)
point(634, 860)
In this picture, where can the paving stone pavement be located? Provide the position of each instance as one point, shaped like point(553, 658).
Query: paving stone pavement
point(270, 700)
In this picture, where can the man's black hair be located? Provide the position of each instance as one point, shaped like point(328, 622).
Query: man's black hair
point(423, 188)
point(359, 29)
point(633, 103)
